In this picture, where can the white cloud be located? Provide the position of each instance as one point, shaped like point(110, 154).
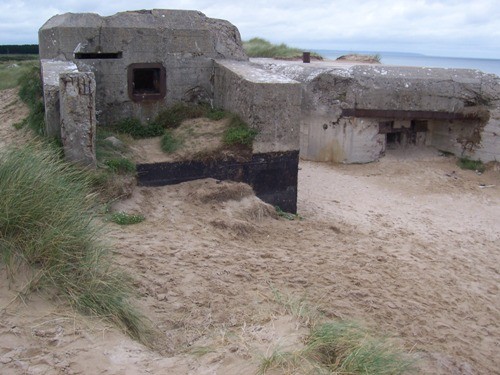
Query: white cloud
point(446, 27)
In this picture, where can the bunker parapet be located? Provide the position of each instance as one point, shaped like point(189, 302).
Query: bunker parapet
point(352, 113)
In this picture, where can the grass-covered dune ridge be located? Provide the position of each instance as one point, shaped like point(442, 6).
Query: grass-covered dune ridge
point(258, 47)
point(47, 222)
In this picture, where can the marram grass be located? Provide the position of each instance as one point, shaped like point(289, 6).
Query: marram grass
point(258, 47)
point(47, 222)
point(341, 347)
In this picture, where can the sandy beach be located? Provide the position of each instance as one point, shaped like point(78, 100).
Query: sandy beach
point(409, 246)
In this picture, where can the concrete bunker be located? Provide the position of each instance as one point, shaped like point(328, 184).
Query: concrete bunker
point(137, 63)
point(354, 113)
point(97, 70)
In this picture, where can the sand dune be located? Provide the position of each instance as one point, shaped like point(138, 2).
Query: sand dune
point(408, 245)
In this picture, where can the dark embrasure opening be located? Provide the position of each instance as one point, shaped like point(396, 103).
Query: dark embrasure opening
point(146, 81)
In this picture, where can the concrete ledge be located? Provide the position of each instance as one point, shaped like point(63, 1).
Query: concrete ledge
point(51, 69)
point(268, 102)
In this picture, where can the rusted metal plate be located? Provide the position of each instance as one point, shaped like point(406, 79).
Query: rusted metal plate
point(273, 176)
point(407, 115)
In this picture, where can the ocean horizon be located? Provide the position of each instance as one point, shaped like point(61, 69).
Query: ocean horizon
point(419, 60)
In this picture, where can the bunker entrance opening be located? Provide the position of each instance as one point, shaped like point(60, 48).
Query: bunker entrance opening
point(146, 82)
point(403, 133)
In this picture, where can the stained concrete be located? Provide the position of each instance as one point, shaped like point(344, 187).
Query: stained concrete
point(78, 120)
point(50, 72)
point(146, 61)
point(183, 42)
point(330, 90)
point(340, 112)
point(269, 103)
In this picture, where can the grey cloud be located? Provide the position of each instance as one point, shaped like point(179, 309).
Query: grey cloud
point(456, 26)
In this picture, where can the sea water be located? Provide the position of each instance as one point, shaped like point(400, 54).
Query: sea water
point(409, 59)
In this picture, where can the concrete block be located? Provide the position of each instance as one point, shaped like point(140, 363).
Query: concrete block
point(268, 102)
point(51, 70)
point(78, 119)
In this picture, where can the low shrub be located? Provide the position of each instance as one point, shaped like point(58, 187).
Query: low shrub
point(238, 133)
point(341, 348)
point(216, 114)
point(31, 93)
point(349, 348)
point(136, 129)
point(11, 71)
point(172, 117)
point(473, 165)
point(121, 165)
point(47, 222)
point(169, 118)
point(287, 215)
point(123, 218)
point(169, 143)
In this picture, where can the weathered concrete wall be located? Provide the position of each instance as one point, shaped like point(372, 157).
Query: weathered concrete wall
point(50, 77)
point(348, 140)
point(340, 100)
point(268, 102)
point(78, 119)
point(183, 42)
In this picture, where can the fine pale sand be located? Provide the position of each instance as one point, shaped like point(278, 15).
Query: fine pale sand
point(408, 245)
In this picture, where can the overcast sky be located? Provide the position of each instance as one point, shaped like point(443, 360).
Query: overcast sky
point(459, 28)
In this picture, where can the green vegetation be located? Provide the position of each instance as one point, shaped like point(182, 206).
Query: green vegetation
point(11, 71)
point(123, 218)
point(473, 165)
point(334, 347)
point(341, 348)
point(258, 47)
point(238, 133)
point(47, 222)
point(172, 117)
point(114, 177)
point(349, 348)
point(169, 143)
point(169, 118)
point(297, 307)
point(111, 152)
point(30, 92)
point(18, 58)
point(133, 127)
point(121, 165)
point(216, 114)
point(48, 218)
point(287, 215)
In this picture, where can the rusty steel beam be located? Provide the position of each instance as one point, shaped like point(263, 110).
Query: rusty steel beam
point(408, 115)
